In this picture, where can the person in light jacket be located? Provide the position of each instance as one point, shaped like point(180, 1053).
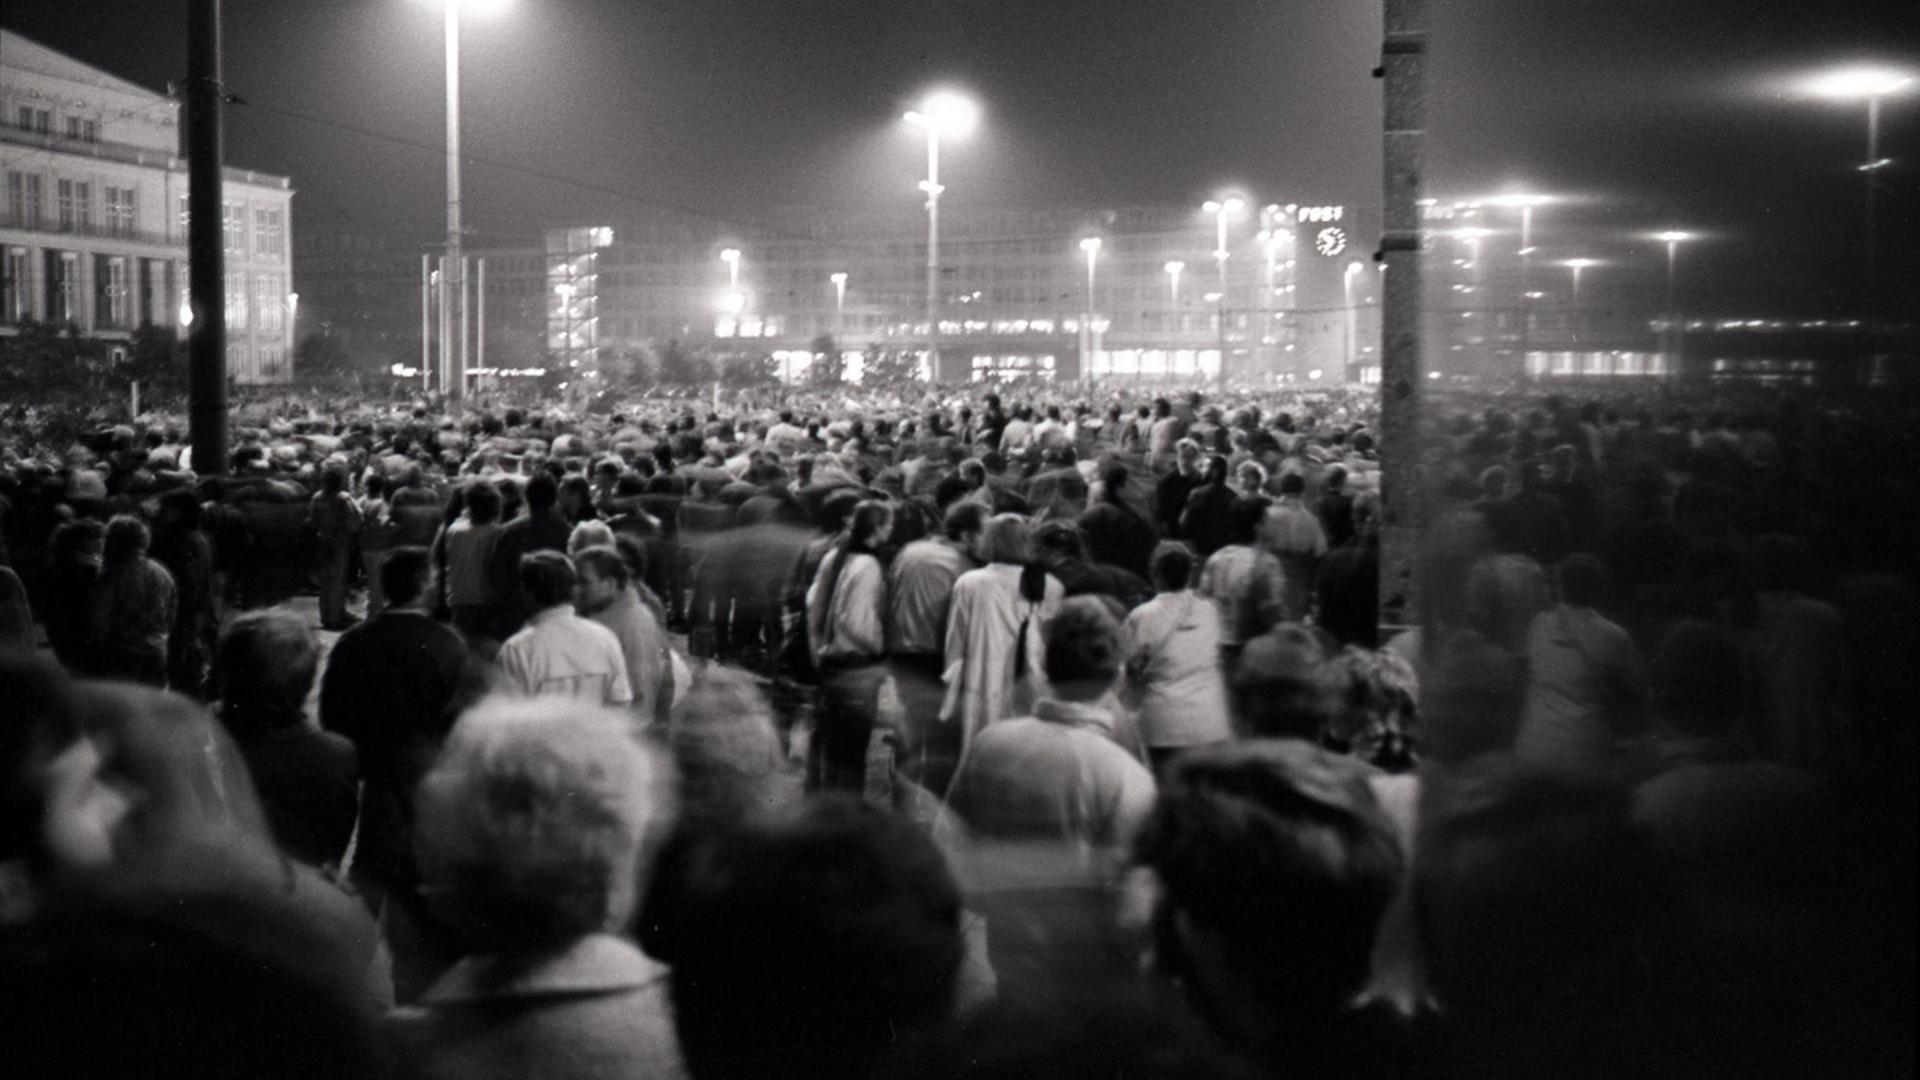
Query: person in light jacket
point(846, 634)
point(1172, 650)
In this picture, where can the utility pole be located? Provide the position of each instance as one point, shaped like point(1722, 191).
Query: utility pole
point(1403, 485)
point(206, 275)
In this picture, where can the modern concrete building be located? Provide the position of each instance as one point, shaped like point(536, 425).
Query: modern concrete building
point(93, 232)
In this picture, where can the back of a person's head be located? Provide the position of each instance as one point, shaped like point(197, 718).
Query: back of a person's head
point(1172, 566)
point(1698, 679)
point(1530, 889)
point(1245, 516)
point(548, 578)
point(264, 667)
point(1276, 856)
point(541, 493)
point(589, 534)
point(405, 574)
point(837, 508)
point(127, 537)
point(1083, 656)
point(1583, 580)
point(1503, 594)
point(1278, 686)
point(807, 946)
point(1060, 539)
point(963, 520)
point(1008, 538)
point(532, 824)
point(483, 502)
point(728, 750)
point(1292, 483)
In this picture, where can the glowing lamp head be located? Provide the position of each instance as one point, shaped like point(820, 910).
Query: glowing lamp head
point(1174, 266)
point(730, 256)
point(947, 114)
point(732, 302)
point(1673, 236)
point(482, 8)
point(1854, 83)
point(1581, 264)
point(838, 279)
point(1090, 245)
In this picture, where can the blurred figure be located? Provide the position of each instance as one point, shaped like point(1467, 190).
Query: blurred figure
point(333, 519)
point(809, 946)
point(1244, 580)
point(1171, 646)
point(1206, 523)
point(183, 547)
point(920, 596)
point(1347, 584)
point(1798, 646)
point(1279, 689)
point(307, 778)
point(1060, 776)
point(994, 650)
point(469, 542)
point(540, 527)
point(1586, 687)
point(1236, 827)
point(130, 613)
point(846, 629)
point(76, 551)
point(559, 652)
point(532, 847)
point(379, 532)
point(605, 594)
point(1116, 532)
point(1531, 895)
point(1292, 532)
point(1376, 708)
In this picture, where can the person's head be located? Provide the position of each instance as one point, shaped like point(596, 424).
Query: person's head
point(1278, 686)
point(1375, 701)
point(589, 534)
point(1008, 538)
point(1162, 408)
point(601, 575)
point(548, 578)
point(1114, 481)
point(836, 508)
point(1503, 594)
point(1292, 483)
point(1252, 476)
point(264, 668)
point(483, 503)
point(728, 750)
point(541, 493)
point(806, 946)
point(872, 524)
point(1493, 482)
point(375, 486)
point(1172, 566)
point(532, 826)
point(1697, 681)
point(406, 576)
point(1583, 580)
point(1273, 865)
point(964, 522)
point(127, 539)
point(1186, 453)
point(1057, 541)
point(1335, 478)
point(1083, 656)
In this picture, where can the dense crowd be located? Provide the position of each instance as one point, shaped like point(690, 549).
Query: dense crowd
point(960, 734)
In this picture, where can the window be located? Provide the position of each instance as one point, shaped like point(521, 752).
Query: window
point(120, 211)
point(23, 200)
point(236, 300)
point(16, 290)
point(39, 121)
point(268, 236)
point(186, 214)
point(233, 221)
point(110, 277)
point(75, 201)
point(82, 130)
point(269, 303)
point(63, 284)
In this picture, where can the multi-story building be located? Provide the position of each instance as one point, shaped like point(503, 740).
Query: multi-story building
point(1020, 292)
point(93, 233)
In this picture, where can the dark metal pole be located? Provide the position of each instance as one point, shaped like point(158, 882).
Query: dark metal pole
point(1403, 471)
point(206, 274)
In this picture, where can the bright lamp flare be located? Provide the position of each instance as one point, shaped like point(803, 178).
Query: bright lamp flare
point(1518, 199)
point(1090, 245)
point(948, 114)
point(1673, 236)
point(1859, 82)
point(482, 8)
point(1581, 264)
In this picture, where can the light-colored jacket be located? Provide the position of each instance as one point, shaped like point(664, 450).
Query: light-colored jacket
point(1172, 649)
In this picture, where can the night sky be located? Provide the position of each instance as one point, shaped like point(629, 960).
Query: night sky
point(1654, 113)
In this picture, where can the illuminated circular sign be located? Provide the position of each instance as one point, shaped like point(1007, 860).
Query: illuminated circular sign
point(1330, 241)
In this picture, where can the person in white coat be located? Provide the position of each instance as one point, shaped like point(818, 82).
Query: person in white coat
point(994, 634)
point(1172, 651)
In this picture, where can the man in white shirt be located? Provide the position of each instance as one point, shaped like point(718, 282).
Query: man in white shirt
point(558, 652)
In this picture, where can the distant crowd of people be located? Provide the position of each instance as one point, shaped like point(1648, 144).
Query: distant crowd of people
point(961, 735)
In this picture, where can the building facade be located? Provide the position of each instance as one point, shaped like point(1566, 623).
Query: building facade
point(93, 230)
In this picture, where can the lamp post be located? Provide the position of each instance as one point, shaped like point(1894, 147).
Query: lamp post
point(1673, 238)
point(1090, 245)
point(1354, 270)
point(1525, 202)
point(733, 302)
point(1221, 209)
point(1869, 84)
point(839, 280)
point(1577, 265)
point(943, 114)
point(1174, 268)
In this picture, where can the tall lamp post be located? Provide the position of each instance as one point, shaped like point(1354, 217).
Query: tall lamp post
point(1221, 209)
point(1577, 266)
point(1353, 270)
point(1174, 268)
point(1673, 238)
point(1525, 203)
point(453, 282)
point(1090, 245)
point(733, 302)
point(839, 280)
point(1869, 84)
point(944, 114)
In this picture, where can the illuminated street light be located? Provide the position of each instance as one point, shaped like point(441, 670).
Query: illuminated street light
point(1174, 267)
point(1090, 245)
point(1353, 270)
point(944, 114)
point(1869, 84)
point(1221, 209)
point(731, 257)
point(1673, 238)
point(453, 284)
point(839, 299)
point(1577, 265)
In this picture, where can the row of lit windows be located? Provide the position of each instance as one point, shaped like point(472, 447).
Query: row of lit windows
point(39, 121)
point(269, 228)
point(259, 301)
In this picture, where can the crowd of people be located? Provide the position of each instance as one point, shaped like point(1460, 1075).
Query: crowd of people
point(961, 734)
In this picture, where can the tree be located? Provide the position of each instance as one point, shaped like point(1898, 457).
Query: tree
point(321, 357)
point(746, 369)
point(631, 369)
point(682, 366)
point(157, 360)
point(46, 359)
point(827, 370)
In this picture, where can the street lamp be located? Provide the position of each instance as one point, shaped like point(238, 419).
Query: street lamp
point(1174, 268)
point(1354, 270)
point(1673, 238)
point(944, 114)
point(839, 280)
point(1090, 245)
point(1221, 209)
point(1525, 202)
point(1870, 84)
point(453, 283)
